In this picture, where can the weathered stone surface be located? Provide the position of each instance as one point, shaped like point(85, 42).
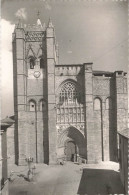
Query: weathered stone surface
point(36, 132)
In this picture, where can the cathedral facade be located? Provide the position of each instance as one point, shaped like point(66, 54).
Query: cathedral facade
point(63, 110)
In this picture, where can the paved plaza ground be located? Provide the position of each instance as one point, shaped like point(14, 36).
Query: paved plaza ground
point(69, 179)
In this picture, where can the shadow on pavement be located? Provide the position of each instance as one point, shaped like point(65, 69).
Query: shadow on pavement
point(23, 193)
point(100, 181)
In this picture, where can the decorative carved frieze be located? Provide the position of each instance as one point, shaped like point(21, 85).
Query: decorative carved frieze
point(34, 36)
point(62, 127)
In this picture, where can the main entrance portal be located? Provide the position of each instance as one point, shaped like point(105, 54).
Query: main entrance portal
point(71, 143)
point(71, 150)
point(70, 121)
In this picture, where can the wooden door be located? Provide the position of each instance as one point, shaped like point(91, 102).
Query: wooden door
point(70, 150)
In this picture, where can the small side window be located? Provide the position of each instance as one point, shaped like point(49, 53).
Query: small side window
point(32, 105)
point(97, 104)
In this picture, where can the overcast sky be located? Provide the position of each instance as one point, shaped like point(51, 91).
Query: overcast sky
point(86, 31)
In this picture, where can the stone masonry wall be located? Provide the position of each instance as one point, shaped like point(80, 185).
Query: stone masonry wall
point(31, 136)
point(51, 61)
point(35, 132)
point(102, 89)
point(10, 147)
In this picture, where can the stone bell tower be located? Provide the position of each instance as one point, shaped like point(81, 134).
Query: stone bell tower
point(35, 55)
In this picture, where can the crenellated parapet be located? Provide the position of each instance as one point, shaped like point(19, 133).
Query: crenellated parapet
point(69, 69)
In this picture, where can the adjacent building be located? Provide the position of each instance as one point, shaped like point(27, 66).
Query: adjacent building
point(63, 110)
point(5, 124)
point(123, 157)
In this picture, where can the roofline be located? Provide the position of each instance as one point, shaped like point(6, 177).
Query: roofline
point(59, 65)
point(74, 64)
point(94, 71)
point(120, 133)
point(5, 126)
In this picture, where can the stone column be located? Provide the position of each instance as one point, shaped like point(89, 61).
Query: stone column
point(89, 115)
point(121, 103)
point(121, 100)
point(51, 93)
point(19, 68)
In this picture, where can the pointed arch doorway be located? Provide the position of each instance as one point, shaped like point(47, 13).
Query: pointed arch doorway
point(71, 143)
point(70, 150)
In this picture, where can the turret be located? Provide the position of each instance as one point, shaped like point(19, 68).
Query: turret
point(51, 42)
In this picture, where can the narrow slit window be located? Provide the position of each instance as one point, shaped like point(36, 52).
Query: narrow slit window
point(32, 106)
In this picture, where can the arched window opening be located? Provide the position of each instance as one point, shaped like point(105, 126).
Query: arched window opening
point(32, 63)
point(70, 107)
point(97, 104)
point(41, 63)
point(42, 105)
point(32, 105)
point(69, 94)
point(108, 103)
